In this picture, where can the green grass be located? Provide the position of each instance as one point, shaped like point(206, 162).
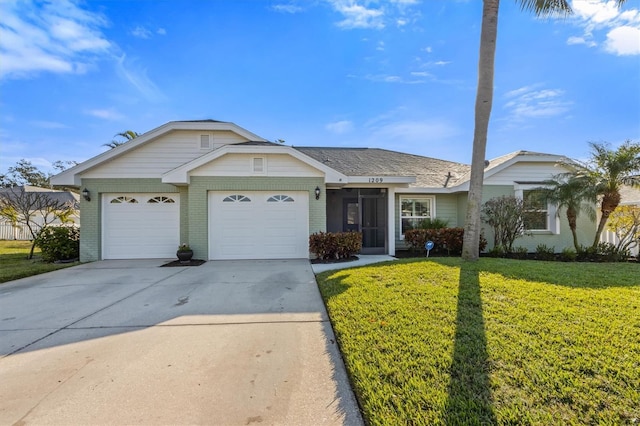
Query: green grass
point(14, 263)
point(497, 341)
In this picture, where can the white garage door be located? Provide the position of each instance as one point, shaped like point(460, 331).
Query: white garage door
point(258, 225)
point(140, 226)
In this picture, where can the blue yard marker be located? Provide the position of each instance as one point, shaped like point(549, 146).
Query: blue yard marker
point(428, 245)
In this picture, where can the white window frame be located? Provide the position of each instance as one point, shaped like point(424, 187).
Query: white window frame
point(553, 220)
point(432, 209)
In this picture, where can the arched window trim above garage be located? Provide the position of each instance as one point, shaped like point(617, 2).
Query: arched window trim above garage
point(236, 198)
point(161, 199)
point(280, 199)
point(123, 199)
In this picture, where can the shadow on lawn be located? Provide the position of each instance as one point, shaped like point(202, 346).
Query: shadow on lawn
point(469, 394)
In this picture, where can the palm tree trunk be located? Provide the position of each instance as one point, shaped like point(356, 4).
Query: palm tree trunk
point(610, 202)
point(484, 100)
point(572, 217)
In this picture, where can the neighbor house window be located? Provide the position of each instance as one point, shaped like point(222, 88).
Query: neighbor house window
point(205, 141)
point(257, 164)
point(536, 210)
point(413, 210)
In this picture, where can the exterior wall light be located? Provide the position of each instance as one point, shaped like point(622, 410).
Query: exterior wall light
point(317, 192)
point(86, 194)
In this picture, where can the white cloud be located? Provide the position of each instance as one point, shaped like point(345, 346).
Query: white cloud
point(134, 74)
point(340, 127)
point(623, 40)
point(57, 37)
point(105, 114)
point(533, 102)
point(357, 16)
point(141, 32)
point(49, 124)
point(286, 8)
point(389, 78)
point(597, 17)
point(380, 46)
point(161, 31)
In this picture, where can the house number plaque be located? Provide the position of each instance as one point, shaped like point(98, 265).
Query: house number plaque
point(375, 180)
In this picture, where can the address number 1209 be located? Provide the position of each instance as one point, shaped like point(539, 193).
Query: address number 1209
point(375, 180)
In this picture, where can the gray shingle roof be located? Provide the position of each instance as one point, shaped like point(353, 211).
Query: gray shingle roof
point(429, 172)
point(52, 194)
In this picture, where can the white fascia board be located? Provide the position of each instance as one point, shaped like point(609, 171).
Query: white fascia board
point(180, 175)
point(424, 190)
point(72, 176)
point(381, 179)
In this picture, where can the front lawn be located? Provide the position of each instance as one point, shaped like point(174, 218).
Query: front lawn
point(14, 263)
point(497, 341)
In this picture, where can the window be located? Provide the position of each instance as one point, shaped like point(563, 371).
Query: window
point(280, 198)
point(414, 210)
point(161, 199)
point(236, 198)
point(536, 210)
point(123, 199)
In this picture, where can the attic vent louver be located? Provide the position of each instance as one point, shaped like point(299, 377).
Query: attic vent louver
point(205, 142)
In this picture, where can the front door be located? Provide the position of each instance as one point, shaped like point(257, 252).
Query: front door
point(374, 224)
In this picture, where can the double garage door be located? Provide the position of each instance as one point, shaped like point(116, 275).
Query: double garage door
point(242, 225)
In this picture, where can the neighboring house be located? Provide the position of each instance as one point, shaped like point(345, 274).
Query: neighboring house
point(9, 231)
point(231, 194)
point(629, 196)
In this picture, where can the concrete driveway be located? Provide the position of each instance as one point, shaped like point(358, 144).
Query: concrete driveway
point(129, 342)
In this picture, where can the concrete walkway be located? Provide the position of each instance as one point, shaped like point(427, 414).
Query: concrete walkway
point(128, 342)
point(363, 259)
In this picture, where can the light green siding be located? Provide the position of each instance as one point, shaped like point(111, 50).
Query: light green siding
point(199, 211)
point(91, 211)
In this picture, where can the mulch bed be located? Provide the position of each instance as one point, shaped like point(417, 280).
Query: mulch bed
point(192, 262)
point(349, 259)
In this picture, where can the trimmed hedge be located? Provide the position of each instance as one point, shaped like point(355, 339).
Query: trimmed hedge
point(335, 245)
point(445, 240)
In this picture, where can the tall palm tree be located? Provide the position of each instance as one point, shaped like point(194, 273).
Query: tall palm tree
point(125, 136)
point(609, 170)
point(575, 193)
point(484, 99)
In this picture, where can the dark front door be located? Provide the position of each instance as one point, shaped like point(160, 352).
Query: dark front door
point(374, 224)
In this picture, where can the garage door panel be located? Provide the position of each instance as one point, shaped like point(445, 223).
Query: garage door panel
point(265, 227)
point(141, 229)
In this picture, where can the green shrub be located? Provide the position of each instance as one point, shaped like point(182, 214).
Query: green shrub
point(59, 243)
point(545, 253)
point(610, 253)
point(520, 253)
point(445, 240)
point(497, 251)
point(335, 245)
point(568, 255)
point(434, 223)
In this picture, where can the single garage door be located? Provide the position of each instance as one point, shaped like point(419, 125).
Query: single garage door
point(140, 226)
point(258, 225)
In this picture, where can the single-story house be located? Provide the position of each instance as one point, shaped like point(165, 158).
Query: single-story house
point(231, 194)
point(11, 231)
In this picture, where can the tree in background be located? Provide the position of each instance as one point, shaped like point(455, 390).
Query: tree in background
point(25, 173)
point(574, 193)
point(125, 137)
point(506, 216)
point(484, 100)
point(625, 223)
point(35, 210)
point(608, 170)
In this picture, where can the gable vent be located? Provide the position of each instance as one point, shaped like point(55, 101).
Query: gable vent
point(205, 142)
point(258, 165)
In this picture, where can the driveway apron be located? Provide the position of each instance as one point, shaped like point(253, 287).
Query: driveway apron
point(129, 342)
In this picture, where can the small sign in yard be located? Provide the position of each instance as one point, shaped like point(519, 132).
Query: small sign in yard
point(428, 245)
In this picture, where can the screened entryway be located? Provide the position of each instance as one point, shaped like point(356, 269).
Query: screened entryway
point(363, 210)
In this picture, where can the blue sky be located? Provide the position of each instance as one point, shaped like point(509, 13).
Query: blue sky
point(394, 74)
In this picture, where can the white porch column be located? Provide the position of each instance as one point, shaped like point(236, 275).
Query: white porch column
point(391, 222)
